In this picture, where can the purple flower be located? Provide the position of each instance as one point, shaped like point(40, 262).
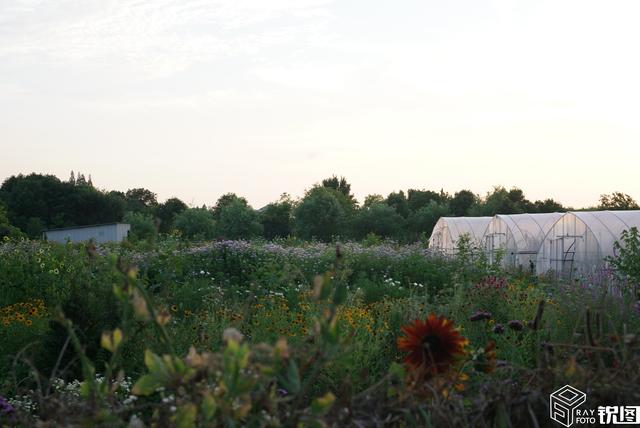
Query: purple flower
point(516, 325)
point(7, 411)
point(498, 329)
point(480, 315)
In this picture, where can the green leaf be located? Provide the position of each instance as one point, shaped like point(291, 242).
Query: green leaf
point(326, 289)
point(154, 363)
point(147, 385)
point(186, 416)
point(322, 405)
point(209, 407)
point(397, 370)
point(85, 389)
point(340, 295)
point(291, 382)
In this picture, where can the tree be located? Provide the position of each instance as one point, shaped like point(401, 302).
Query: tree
point(627, 255)
point(195, 223)
point(502, 201)
point(224, 201)
point(398, 201)
point(462, 202)
point(276, 218)
point(167, 211)
point(370, 200)
point(56, 203)
point(421, 222)
point(548, 206)
point(378, 218)
point(72, 179)
point(81, 181)
point(342, 186)
point(142, 226)
point(237, 220)
point(417, 199)
point(321, 214)
point(618, 201)
point(6, 229)
point(141, 200)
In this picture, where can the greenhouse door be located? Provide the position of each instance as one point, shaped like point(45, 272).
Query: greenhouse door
point(563, 251)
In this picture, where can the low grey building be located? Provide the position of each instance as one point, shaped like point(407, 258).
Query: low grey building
point(99, 233)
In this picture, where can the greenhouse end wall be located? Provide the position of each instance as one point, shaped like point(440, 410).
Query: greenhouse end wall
point(579, 243)
point(448, 230)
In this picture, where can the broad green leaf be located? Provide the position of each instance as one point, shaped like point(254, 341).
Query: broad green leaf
point(147, 385)
point(186, 416)
point(209, 407)
point(154, 362)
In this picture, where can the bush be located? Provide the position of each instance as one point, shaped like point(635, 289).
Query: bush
point(195, 223)
point(322, 214)
point(237, 220)
point(142, 227)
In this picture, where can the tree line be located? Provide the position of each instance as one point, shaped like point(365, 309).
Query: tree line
point(32, 203)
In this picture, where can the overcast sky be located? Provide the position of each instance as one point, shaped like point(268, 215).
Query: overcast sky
point(195, 98)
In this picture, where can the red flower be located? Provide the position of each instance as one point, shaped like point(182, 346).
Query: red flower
point(432, 345)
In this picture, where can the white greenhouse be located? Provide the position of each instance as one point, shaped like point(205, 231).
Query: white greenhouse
point(517, 237)
point(448, 231)
point(580, 241)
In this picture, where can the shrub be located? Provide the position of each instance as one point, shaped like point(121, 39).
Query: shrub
point(195, 223)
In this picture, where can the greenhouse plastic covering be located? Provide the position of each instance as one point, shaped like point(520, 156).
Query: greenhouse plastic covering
point(448, 231)
point(517, 237)
point(580, 241)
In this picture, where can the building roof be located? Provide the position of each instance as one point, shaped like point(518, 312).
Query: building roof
point(86, 226)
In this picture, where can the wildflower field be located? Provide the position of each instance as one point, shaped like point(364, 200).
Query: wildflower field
point(260, 334)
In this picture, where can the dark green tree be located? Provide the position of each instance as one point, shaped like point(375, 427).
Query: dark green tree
point(421, 222)
point(377, 218)
point(277, 218)
point(141, 200)
point(370, 200)
point(224, 201)
point(322, 214)
point(618, 201)
point(195, 223)
point(237, 220)
point(6, 229)
point(548, 206)
point(398, 201)
point(417, 199)
point(461, 203)
point(167, 211)
point(143, 227)
point(341, 185)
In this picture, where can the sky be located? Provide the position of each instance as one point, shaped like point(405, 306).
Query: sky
point(197, 98)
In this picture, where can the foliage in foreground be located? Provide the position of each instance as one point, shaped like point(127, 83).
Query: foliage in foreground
point(246, 334)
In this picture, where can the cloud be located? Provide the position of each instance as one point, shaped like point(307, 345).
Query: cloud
point(156, 38)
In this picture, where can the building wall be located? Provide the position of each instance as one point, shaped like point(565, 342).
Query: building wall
point(100, 234)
